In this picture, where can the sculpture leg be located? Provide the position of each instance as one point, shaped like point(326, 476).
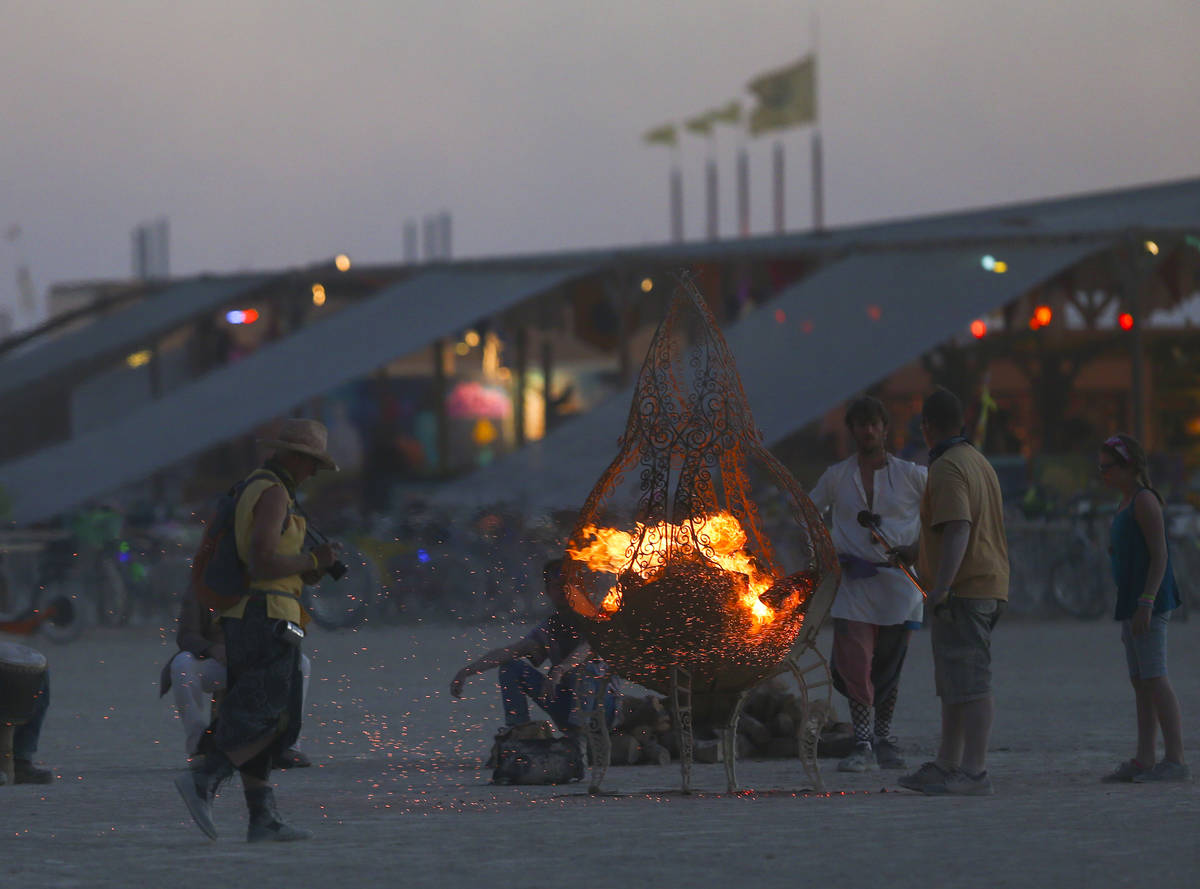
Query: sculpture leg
point(816, 694)
point(729, 744)
point(681, 714)
point(599, 743)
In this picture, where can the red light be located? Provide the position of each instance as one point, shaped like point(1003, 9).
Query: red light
point(807, 326)
point(780, 316)
point(1033, 323)
point(874, 313)
point(1125, 320)
point(978, 329)
point(1043, 314)
point(250, 316)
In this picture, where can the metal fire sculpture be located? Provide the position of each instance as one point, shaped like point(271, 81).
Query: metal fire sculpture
point(671, 573)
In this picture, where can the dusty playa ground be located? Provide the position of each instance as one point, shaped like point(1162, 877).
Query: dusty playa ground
point(398, 798)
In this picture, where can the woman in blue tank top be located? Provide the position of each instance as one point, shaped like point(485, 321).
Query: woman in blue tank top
point(1146, 596)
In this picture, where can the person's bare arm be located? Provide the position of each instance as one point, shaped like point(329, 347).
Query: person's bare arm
point(955, 536)
point(265, 562)
point(1148, 513)
point(580, 655)
point(490, 661)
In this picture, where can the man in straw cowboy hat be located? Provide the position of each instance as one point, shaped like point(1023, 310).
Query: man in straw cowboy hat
point(260, 715)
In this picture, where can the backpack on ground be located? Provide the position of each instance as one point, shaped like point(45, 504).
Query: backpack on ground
point(219, 578)
point(531, 754)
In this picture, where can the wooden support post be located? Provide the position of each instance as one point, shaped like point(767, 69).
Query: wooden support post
point(547, 380)
point(520, 380)
point(441, 418)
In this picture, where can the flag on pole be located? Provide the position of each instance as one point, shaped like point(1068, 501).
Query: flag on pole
point(787, 97)
point(701, 125)
point(728, 113)
point(664, 135)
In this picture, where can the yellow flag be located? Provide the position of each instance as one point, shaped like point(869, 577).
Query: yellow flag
point(664, 135)
point(729, 113)
point(787, 97)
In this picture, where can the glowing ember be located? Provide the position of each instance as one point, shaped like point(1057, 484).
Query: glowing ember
point(718, 538)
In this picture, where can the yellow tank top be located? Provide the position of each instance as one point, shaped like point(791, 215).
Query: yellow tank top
point(285, 607)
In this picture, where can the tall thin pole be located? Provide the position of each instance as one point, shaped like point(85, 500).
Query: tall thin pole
point(777, 158)
point(743, 193)
point(713, 210)
point(818, 183)
point(676, 204)
point(818, 161)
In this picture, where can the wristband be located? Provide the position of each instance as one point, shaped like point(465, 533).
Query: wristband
point(1144, 600)
point(316, 564)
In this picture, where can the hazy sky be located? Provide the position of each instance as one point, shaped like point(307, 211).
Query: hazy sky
point(276, 133)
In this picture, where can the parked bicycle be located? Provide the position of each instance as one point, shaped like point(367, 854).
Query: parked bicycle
point(1080, 581)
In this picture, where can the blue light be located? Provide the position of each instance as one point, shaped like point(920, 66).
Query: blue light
point(236, 316)
point(422, 556)
point(988, 262)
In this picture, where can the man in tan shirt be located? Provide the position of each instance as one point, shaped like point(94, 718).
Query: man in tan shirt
point(963, 558)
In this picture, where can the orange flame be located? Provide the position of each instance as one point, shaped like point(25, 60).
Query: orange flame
point(645, 551)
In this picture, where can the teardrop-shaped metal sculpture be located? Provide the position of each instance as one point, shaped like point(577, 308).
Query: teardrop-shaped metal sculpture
point(697, 558)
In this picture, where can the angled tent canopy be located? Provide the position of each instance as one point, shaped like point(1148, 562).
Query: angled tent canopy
point(233, 400)
point(842, 329)
point(125, 329)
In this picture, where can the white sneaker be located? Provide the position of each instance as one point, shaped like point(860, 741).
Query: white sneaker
point(860, 759)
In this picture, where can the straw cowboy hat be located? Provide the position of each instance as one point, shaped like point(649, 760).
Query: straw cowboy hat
point(304, 437)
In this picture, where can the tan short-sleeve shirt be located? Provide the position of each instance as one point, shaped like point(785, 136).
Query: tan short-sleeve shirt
point(962, 486)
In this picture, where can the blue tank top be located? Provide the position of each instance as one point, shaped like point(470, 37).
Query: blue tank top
point(1131, 561)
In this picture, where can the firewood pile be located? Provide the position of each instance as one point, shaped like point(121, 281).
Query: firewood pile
point(768, 729)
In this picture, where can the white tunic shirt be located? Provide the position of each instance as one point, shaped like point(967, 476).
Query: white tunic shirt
point(889, 597)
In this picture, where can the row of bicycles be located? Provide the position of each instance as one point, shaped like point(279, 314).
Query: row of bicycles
point(430, 565)
point(423, 566)
point(1060, 557)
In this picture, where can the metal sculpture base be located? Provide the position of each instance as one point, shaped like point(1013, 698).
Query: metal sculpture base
point(681, 716)
point(809, 668)
point(811, 672)
point(599, 744)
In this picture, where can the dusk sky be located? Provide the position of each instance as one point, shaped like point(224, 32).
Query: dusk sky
point(279, 133)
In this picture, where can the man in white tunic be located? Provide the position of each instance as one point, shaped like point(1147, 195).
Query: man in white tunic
point(877, 605)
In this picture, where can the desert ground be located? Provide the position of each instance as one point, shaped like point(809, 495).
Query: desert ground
point(398, 795)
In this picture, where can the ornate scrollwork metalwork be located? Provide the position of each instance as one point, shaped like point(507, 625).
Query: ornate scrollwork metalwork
point(671, 562)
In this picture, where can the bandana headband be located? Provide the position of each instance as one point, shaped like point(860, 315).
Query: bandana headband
point(1119, 446)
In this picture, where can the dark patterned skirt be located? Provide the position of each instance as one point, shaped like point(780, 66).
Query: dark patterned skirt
point(265, 694)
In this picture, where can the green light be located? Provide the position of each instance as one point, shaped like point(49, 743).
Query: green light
point(988, 262)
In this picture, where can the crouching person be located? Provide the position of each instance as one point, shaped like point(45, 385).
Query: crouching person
point(259, 717)
point(574, 679)
point(197, 678)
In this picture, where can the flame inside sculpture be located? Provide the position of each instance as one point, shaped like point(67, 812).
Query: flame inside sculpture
point(671, 563)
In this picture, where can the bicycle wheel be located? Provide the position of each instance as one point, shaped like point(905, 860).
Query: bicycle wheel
point(341, 604)
point(1079, 585)
point(70, 616)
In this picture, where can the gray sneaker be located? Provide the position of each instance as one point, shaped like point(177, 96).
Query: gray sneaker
point(1162, 772)
point(1124, 773)
point(860, 759)
point(959, 783)
point(191, 787)
point(887, 754)
point(928, 774)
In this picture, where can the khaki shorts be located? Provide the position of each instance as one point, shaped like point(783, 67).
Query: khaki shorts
point(961, 633)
